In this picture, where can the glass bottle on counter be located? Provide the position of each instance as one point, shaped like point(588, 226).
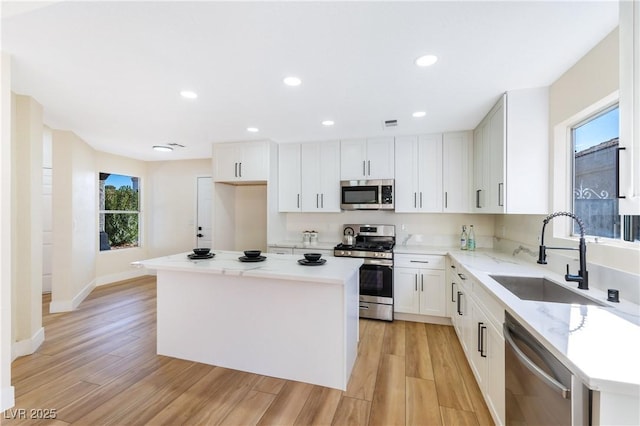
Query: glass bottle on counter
point(471, 239)
point(463, 238)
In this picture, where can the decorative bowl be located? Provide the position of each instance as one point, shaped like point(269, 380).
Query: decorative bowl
point(252, 253)
point(201, 251)
point(312, 257)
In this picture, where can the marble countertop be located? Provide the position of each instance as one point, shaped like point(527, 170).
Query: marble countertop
point(321, 245)
point(600, 345)
point(280, 266)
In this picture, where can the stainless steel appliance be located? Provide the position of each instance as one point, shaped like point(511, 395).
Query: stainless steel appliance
point(373, 243)
point(539, 389)
point(366, 194)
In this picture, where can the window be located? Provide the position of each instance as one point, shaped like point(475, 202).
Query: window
point(595, 178)
point(119, 211)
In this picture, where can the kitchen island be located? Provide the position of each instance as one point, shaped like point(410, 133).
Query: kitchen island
point(275, 318)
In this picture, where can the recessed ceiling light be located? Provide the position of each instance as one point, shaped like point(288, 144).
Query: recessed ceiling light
point(252, 129)
point(162, 148)
point(292, 81)
point(328, 123)
point(419, 114)
point(426, 60)
point(188, 94)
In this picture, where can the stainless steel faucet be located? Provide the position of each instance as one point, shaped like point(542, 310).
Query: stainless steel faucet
point(583, 276)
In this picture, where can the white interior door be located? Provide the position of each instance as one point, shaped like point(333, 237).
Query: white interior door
point(203, 211)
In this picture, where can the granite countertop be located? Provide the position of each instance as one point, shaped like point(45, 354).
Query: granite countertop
point(600, 345)
point(281, 266)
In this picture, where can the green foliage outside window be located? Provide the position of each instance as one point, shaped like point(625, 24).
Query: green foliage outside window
point(122, 225)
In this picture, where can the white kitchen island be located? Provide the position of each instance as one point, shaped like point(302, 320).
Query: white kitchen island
point(276, 318)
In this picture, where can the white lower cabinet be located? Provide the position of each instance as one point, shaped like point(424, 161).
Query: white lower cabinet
point(419, 285)
point(475, 319)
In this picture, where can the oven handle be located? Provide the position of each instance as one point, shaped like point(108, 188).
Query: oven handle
point(537, 371)
point(379, 262)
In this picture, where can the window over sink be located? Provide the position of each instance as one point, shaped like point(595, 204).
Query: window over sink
point(119, 211)
point(595, 173)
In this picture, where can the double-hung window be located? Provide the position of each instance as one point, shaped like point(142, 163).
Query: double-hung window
point(595, 178)
point(119, 211)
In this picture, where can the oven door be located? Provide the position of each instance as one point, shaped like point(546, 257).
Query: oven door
point(376, 281)
point(359, 195)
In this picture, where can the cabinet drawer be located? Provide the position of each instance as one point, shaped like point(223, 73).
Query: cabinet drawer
point(424, 261)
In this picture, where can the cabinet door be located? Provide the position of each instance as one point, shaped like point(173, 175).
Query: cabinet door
point(456, 175)
point(494, 351)
point(406, 184)
point(310, 177)
point(432, 292)
point(289, 177)
point(254, 161)
point(353, 159)
point(329, 176)
point(405, 290)
point(226, 159)
point(477, 345)
point(495, 159)
point(430, 173)
point(380, 158)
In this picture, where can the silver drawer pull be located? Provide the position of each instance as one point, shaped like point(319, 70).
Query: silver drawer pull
point(419, 261)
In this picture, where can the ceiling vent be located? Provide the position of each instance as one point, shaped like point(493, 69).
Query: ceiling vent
point(386, 124)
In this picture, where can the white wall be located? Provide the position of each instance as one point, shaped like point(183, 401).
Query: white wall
point(171, 200)
point(27, 225)
point(75, 220)
point(6, 390)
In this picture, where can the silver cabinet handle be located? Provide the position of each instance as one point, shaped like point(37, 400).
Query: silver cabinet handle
point(240, 169)
point(420, 199)
point(537, 371)
point(416, 281)
point(317, 201)
point(452, 299)
point(421, 282)
point(298, 200)
point(322, 201)
point(478, 199)
point(459, 303)
point(364, 170)
point(500, 194)
point(446, 201)
point(418, 261)
point(235, 171)
point(369, 167)
point(415, 199)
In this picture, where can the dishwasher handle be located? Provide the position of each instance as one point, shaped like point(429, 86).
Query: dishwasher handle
point(553, 383)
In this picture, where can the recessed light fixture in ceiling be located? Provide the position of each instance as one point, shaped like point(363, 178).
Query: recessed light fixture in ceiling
point(328, 123)
point(426, 60)
point(292, 81)
point(253, 129)
point(188, 94)
point(419, 114)
point(162, 148)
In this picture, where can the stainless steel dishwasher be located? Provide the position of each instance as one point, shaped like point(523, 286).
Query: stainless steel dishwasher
point(539, 389)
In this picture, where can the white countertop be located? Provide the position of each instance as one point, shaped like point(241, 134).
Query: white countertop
point(280, 266)
point(601, 345)
point(321, 245)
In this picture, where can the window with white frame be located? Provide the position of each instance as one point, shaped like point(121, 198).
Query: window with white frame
point(596, 178)
point(119, 211)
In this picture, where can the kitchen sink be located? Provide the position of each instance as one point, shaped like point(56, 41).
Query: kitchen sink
point(542, 290)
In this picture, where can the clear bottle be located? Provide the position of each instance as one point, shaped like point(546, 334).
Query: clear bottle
point(471, 239)
point(463, 238)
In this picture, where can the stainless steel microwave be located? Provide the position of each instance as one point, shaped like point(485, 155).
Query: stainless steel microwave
point(366, 194)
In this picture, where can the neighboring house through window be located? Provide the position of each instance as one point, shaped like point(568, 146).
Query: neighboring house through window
point(119, 211)
point(595, 178)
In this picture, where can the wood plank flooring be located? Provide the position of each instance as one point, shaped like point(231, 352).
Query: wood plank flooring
point(98, 366)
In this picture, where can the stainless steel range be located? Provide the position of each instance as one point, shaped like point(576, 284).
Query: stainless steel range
point(373, 243)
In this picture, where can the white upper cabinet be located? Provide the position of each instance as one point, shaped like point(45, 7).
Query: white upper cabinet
point(511, 150)
point(418, 183)
point(321, 177)
point(241, 161)
point(289, 169)
point(367, 159)
point(456, 171)
point(309, 177)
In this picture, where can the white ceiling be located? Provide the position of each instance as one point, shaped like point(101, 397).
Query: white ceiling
point(112, 71)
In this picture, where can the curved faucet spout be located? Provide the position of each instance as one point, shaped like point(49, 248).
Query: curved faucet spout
point(583, 276)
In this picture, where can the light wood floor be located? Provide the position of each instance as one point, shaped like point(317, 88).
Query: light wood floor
point(98, 366)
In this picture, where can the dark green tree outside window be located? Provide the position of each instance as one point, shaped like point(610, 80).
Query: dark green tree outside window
point(119, 211)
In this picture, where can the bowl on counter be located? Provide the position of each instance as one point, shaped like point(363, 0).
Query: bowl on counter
point(312, 257)
point(201, 251)
point(252, 253)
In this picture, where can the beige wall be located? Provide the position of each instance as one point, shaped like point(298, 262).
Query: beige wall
point(171, 202)
point(74, 220)
point(27, 225)
point(590, 80)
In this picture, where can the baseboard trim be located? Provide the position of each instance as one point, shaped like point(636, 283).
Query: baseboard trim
point(27, 346)
point(428, 319)
point(121, 276)
point(69, 305)
point(7, 398)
